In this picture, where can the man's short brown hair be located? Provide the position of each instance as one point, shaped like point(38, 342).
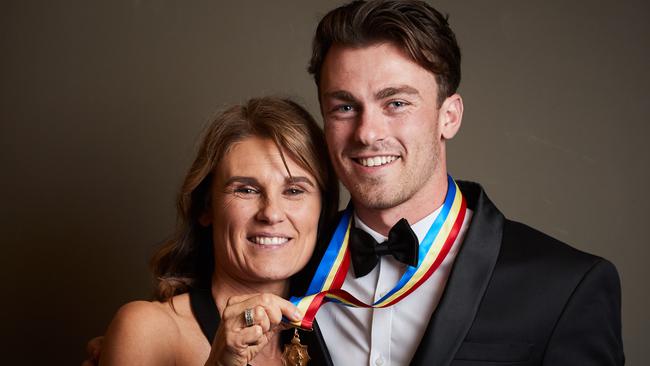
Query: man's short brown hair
point(419, 30)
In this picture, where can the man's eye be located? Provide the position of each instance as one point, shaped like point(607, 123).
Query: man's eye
point(344, 108)
point(245, 190)
point(397, 104)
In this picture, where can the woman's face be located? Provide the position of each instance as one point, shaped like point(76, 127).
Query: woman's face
point(264, 223)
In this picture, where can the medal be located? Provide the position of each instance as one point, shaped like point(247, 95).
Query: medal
point(295, 354)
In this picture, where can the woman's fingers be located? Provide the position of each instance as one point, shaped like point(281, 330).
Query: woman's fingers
point(261, 318)
point(246, 337)
point(274, 306)
point(248, 322)
point(236, 306)
point(266, 310)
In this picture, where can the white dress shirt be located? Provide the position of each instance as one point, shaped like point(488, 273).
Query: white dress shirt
point(388, 336)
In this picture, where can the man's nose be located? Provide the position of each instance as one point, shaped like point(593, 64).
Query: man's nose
point(372, 126)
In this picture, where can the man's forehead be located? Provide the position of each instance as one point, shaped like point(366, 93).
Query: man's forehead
point(386, 48)
point(381, 69)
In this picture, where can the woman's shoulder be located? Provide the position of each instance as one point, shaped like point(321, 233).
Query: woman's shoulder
point(155, 316)
point(143, 331)
point(148, 314)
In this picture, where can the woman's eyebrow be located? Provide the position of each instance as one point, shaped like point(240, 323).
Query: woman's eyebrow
point(241, 179)
point(253, 181)
point(300, 179)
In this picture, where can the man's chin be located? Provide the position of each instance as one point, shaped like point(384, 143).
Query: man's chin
point(375, 199)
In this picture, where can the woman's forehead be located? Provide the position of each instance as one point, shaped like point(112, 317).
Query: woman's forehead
point(256, 156)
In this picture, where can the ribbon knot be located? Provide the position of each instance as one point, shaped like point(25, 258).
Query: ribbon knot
point(365, 252)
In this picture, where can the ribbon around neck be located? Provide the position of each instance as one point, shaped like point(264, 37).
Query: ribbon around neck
point(328, 279)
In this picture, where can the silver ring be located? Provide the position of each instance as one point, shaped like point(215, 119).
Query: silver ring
point(248, 317)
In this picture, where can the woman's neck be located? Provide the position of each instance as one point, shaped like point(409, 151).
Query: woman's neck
point(225, 286)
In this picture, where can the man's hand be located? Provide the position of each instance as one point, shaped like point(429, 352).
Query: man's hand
point(93, 351)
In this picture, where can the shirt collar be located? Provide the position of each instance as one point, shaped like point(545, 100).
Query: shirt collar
point(420, 228)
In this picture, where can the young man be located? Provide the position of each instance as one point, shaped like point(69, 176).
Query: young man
point(387, 74)
point(498, 291)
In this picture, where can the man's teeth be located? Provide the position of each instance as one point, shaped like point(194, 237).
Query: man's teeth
point(377, 160)
point(269, 240)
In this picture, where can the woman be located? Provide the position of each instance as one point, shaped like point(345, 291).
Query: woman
point(249, 212)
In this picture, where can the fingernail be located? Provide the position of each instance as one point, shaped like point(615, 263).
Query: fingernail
point(297, 315)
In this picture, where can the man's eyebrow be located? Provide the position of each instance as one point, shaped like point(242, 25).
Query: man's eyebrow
point(341, 95)
point(389, 92)
point(300, 179)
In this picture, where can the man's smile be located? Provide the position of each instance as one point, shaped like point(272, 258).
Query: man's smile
point(376, 160)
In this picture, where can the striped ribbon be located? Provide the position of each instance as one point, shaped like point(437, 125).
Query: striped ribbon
point(333, 268)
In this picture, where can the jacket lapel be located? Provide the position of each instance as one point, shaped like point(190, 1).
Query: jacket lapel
point(467, 282)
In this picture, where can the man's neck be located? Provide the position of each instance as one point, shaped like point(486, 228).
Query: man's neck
point(421, 204)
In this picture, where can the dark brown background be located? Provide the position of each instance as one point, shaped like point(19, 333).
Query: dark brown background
point(102, 102)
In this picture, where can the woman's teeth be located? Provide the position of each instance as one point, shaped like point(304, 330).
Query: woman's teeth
point(269, 240)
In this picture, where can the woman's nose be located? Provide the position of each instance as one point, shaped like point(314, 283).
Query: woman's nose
point(270, 211)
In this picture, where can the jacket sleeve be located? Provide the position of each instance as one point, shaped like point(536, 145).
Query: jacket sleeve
point(589, 330)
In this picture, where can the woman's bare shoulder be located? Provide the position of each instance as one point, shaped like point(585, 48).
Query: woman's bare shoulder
point(141, 332)
point(148, 316)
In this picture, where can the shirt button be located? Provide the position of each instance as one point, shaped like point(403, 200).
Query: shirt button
point(379, 361)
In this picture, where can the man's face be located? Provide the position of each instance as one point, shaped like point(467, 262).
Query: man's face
point(383, 128)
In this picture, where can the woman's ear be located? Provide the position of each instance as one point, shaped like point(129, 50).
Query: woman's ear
point(204, 191)
point(450, 116)
point(206, 218)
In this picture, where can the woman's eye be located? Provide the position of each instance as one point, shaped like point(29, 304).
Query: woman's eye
point(294, 191)
point(245, 190)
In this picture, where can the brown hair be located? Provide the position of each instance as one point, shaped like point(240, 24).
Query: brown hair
point(419, 30)
point(188, 257)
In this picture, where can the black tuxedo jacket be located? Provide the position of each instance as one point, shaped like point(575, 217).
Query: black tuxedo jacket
point(516, 296)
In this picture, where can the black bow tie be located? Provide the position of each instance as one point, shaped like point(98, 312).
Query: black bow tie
point(402, 243)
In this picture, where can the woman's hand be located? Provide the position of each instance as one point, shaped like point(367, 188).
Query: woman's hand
point(236, 344)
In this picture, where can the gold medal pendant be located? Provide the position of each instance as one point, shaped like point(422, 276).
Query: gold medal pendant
point(295, 354)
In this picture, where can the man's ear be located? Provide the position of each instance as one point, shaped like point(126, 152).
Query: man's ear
point(450, 116)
